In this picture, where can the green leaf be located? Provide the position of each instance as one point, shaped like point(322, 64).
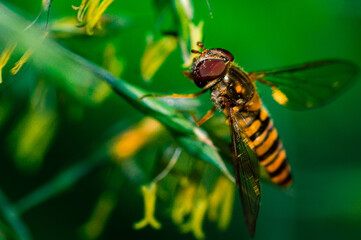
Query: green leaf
point(71, 67)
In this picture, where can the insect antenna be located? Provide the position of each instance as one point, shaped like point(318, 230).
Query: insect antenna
point(209, 8)
point(196, 51)
point(200, 44)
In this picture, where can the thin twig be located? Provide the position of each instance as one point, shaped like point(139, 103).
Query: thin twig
point(210, 10)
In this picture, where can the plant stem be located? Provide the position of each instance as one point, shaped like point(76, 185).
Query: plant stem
point(12, 217)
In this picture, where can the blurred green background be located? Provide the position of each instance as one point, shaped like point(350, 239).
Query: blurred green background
point(322, 144)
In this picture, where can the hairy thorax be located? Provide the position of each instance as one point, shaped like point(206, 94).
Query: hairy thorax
point(237, 91)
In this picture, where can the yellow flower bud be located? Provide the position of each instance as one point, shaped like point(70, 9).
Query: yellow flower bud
point(5, 55)
point(149, 193)
point(199, 210)
point(90, 13)
point(183, 203)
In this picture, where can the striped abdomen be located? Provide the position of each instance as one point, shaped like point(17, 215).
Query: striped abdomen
point(268, 146)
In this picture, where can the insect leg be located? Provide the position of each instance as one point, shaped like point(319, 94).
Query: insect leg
point(200, 44)
point(188, 75)
point(175, 95)
point(206, 117)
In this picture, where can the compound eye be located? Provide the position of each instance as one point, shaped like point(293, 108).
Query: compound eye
point(208, 70)
point(225, 53)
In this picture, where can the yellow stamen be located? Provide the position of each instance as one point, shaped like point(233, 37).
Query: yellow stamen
point(114, 66)
point(226, 209)
point(149, 194)
point(221, 203)
point(183, 202)
point(21, 61)
point(197, 217)
point(25, 57)
point(5, 55)
point(104, 207)
point(92, 8)
point(93, 19)
point(90, 13)
point(155, 54)
point(215, 198)
point(81, 10)
point(111, 62)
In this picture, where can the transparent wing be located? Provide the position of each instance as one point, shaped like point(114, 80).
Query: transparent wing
point(247, 175)
point(308, 85)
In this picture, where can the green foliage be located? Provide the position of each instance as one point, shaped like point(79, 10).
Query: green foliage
point(76, 100)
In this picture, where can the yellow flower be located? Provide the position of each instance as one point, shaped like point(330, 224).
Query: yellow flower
point(155, 54)
point(93, 228)
point(149, 193)
point(25, 57)
point(196, 35)
point(199, 210)
point(81, 10)
point(21, 61)
point(131, 141)
point(221, 203)
point(183, 202)
point(5, 55)
point(195, 201)
point(114, 66)
point(9, 49)
point(90, 12)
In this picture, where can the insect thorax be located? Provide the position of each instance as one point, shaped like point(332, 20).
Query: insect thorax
point(234, 90)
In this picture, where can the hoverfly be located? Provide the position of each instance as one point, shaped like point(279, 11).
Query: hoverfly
point(255, 140)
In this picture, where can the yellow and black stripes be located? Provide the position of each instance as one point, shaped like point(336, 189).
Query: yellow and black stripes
point(268, 147)
point(254, 121)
